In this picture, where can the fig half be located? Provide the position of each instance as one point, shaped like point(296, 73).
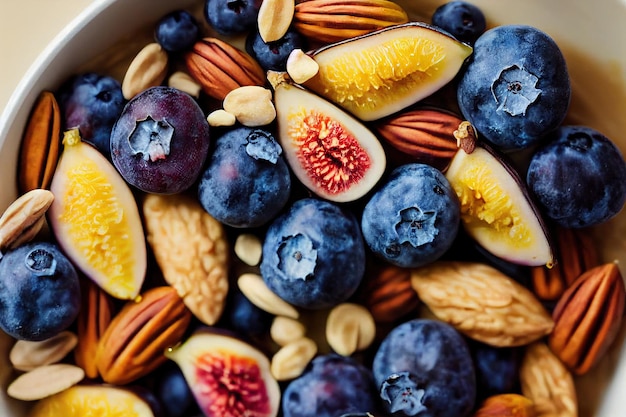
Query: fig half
point(496, 209)
point(332, 153)
point(382, 72)
point(228, 377)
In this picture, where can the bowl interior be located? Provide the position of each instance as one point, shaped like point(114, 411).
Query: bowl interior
point(590, 34)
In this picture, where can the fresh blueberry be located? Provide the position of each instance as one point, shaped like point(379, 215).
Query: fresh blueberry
point(424, 368)
point(173, 392)
point(314, 255)
point(578, 177)
point(273, 55)
point(92, 103)
point(245, 317)
point(331, 386)
point(247, 181)
point(461, 19)
point(515, 89)
point(413, 218)
point(232, 17)
point(497, 368)
point(177, 31)
point(39, 291)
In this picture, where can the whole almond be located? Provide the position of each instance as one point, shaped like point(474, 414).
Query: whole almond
point(24, 218)
point(147, 69)
point(220, 67)
point(27, 355)
point(547, 383)
point(588, 317)
point(44, 381)
point(40, 147)
point(335, 20)
point(482, 302)
point(135, 341)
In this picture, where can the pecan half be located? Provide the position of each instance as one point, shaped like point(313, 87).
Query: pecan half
point(388, 294)
point(135, 341)
point(506, 405)
point(588, 317)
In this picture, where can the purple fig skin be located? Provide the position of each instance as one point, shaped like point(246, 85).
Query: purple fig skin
point(160, 142)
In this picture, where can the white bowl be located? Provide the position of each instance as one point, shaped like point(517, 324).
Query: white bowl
point(590, 34)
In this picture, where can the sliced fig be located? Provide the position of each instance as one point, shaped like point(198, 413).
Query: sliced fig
point(496, 209)
point(228, 377)
point(95, 219)
point(330, 152)
point(382, 72)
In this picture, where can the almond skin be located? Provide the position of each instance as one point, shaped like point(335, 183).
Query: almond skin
point(588, 317)
point(506, 405)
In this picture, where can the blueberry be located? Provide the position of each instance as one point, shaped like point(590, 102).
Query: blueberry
point(331, 386)
point(413, 218)
point(273, 55)
point(177, 31)
point(314, 255)
point(173, 392)
point(461, 19)
point(515, 89)
point(92, 103)
point(232, 17)
point(247, 181)
point(578, 177)
point(424, 368)
point(245, 317)
point(39, 291)
point(497, 368)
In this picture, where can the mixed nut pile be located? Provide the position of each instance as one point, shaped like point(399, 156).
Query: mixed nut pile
point(330, 219)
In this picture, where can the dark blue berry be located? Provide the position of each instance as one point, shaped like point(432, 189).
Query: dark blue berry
point(245, 317)
point(273, 55)
point(463, 20)
point(232, 17)
point(177, 31)
point(173, 392)
point(497, 369)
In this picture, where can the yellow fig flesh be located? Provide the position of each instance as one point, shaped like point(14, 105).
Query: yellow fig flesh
point(332, 153)
point(496, 210)
point(96, 219)
point(380, 73)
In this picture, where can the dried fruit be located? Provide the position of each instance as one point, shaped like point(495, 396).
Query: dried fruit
point(329, 151)
point(191, 250)
point(96, 221)
point(382, 72)
point(482, 302)
point(134, 343)
point(506, 405)
point(45, 381)
point(40, 146)
point(496, 209)
point(336, 20)
point(547, 383)
point(27, 355)
point(227, 375)
point(147, 69)
point(220, 67)
point(350, 328)
point(95, 400)
point(424, 134)
point(388, 294)
point(588, 317)
point(575, 253)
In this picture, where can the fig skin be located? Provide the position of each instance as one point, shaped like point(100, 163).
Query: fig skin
point(160, 142)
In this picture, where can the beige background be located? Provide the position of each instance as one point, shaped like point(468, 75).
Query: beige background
point(26, 28)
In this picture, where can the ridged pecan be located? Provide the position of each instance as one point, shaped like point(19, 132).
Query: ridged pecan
point(135, 341)
point(388, 294)
point(220, 67)
point(588, 317)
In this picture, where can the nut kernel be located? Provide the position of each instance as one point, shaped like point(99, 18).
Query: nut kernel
point(44, 381)
point(24, 218)
point(248, 248)
point(274, 19)
point(285, 330)
point(147, 69)
point(291, 360)
point(255, 289)
point(301, 67)
point(185, 83)
point(27, 355)
point(350, 328)
point(221, 117)
point(251, 104)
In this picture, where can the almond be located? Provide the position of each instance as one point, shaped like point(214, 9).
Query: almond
point(425, 135)
point(41, 142)
point(482, 302)
point(24, 218)
point(220, 67)
point(134, 343)
point(388, 294)
point(335, 20)
point(575, 253)
point(506, 405)
point(588, 317)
